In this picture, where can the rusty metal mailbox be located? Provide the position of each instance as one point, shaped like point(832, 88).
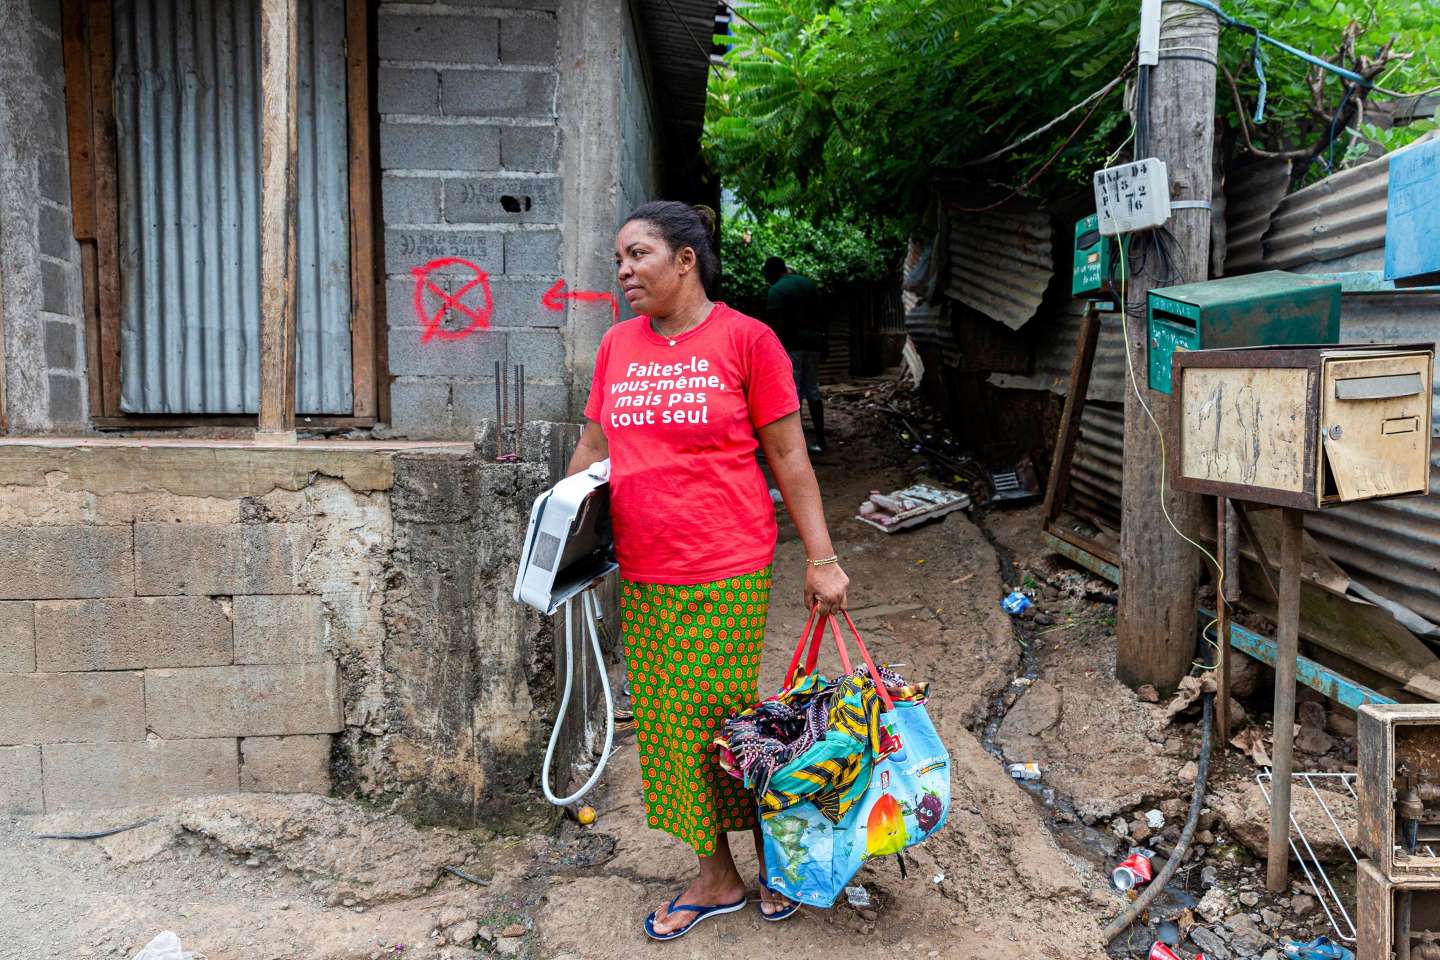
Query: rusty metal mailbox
point(1304, 427)
point(1395, 919)
point(1398, 752)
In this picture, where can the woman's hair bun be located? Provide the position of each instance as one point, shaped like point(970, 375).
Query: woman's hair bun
point(707, 217)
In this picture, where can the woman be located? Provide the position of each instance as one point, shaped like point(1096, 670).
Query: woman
point(682, 396)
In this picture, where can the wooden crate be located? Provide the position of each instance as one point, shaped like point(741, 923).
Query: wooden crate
point(1304, 427)
point(1391, 736)
point(1377, 903)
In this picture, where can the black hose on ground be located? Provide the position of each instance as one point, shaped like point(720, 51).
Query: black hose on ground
point(1182, 846)
point(95, 835)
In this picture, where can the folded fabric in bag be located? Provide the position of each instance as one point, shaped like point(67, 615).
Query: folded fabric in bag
point(874, 781)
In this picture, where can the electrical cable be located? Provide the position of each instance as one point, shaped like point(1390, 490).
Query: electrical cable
point(96, 835)
point(1098, 94)
point(591, 609)
point(1160, 435)
point(1182, 846)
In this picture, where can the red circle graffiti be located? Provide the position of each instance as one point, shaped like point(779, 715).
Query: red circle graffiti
point(478, 318)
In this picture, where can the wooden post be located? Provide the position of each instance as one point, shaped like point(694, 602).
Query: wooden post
point(1080, 368)
point(1222, 627)
point(1159, 571)
point(278, 29)
point(1277, 868)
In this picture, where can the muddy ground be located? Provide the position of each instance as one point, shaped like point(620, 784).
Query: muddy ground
point(1019, 867)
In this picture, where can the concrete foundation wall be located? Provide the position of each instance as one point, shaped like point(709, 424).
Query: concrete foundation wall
point(188, 618)
point(42, 370)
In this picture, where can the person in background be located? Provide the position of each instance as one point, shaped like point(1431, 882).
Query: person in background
point(793, 310)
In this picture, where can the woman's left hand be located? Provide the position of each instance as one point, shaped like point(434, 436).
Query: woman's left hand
point(828, 586)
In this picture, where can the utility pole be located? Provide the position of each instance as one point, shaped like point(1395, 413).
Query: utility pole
point(1160, 572)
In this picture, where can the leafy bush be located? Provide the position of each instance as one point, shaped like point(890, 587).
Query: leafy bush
point(830, 251)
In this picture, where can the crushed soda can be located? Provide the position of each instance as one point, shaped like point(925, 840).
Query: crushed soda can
point(857, 896)
point(1162, 952)
point(1024, 771)
point(1016, 604)
point(1132, 872)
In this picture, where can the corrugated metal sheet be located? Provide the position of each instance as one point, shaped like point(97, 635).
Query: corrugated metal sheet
point(1252, 193)
point(679, 36)
point(929, 326)
point(1098, 468)
point(1001, 262)
point(187, 117)
point(1338, 217)
point(1054, 347)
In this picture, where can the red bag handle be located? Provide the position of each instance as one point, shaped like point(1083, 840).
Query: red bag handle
point(814, 653)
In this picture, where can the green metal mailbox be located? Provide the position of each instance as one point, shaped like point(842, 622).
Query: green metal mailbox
point(1253, 310)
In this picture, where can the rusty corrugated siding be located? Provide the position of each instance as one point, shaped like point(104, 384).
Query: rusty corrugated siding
point(1339, 217)
point(1054, 350)
point(1002, 261)
point(1097, 470)
point(1252, 194)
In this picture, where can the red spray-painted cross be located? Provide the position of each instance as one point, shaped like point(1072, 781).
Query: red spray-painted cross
point(478, 317)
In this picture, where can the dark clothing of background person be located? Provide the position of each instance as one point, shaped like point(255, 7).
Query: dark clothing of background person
point(793, 310)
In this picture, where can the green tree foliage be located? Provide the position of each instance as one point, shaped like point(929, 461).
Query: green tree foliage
point(850, 108)
point(832, 252)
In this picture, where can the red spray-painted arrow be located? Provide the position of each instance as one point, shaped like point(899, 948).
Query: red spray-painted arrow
point(556, 296)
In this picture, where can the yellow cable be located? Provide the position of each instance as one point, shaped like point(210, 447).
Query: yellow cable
point(1160, 435)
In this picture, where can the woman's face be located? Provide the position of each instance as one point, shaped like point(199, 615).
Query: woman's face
point(651, 275)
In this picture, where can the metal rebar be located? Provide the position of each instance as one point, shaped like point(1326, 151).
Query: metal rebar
point(520, 412)
point(498, 448)
point(502, 449)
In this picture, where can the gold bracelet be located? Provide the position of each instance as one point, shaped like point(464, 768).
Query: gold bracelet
point(823, 560)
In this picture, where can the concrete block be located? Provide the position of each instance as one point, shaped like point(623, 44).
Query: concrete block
point(517, 303)
point(17, 637)
point(420, 409)
point(534, 252)
point(20, 780)
point(96, 776)
point(70, 707)
point(131, 634)
point(65, 404)
point(497, 93)
point(55, 177)
point(431, 146)
point(408, 91)
point(243, 701)
point(504, 200)
point(56, 237)
point(410, 199)
point(220, 559)
point(431, 39)
point(474, 403)
point(529, 40)
point(72, 562)
point(407, 249)
point(285, 764)
point(542, 352)
point(55, 288)
point(61, 345)
point(284, 629)
point(473, 356)
point(534, 149)
point(452, 303)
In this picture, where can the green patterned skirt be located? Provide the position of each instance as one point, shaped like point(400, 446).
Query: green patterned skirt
point(694, 658)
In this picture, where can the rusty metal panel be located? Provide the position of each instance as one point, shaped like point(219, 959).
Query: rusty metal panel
point(1054, 342)
point(1097, 471)
point(1002, 262)
point(1252, 194)
point(679, 37)
point(1341, 216)
point(187, 93)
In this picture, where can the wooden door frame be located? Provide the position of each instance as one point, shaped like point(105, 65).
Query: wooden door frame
point(88, 44)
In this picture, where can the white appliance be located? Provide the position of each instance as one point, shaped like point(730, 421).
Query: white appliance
point(568, 549)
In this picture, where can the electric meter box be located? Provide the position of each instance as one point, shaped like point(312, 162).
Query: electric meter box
point(1096, 270)
point(1393, 914)
point(1412, 216)
point(1133, 196)
point(1397, 751)
point(1257, 309)
point(1307, 427)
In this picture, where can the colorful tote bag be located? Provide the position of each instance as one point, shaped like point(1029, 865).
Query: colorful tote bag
point(900, 796)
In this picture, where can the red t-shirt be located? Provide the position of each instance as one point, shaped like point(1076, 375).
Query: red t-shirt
point(687, 498)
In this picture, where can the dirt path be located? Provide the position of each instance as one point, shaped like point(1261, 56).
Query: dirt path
point(312, 879)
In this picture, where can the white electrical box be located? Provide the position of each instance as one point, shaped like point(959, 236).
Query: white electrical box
point(1131, 197)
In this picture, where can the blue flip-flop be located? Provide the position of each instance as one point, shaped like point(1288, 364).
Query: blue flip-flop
point(783, 913)
point(700, 914)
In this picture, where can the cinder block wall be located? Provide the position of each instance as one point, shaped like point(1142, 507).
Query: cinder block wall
point(158, 644)
point(470, 154)
point(43, 367)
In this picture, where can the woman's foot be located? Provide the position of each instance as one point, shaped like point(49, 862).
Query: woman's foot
point(700, 893)
point(773, 903)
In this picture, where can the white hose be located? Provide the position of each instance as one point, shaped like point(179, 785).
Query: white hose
point(591, 607)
